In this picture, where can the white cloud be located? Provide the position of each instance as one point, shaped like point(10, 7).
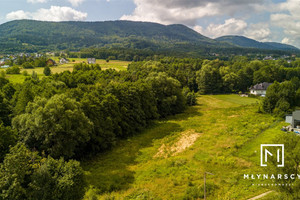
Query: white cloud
point(160, 14)
point(37, 1)
point(55, 13)
point(76, 2)
point(287, 17)
point(20, 14)
point(287, 41)
point(188, 11)
point(199, 29)
point(231, 26)
point(260, 32)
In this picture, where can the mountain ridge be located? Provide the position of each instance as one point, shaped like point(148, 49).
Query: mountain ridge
point(33, 36)
point(243, 41)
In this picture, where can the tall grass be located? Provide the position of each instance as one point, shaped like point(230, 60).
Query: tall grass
point(230, 131)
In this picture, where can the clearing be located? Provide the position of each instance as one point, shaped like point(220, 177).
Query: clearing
point(221, 135)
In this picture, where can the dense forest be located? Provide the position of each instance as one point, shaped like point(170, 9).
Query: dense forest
point(49, 125)
point(67, 116)
point(178, 51)
point(242, 41)
point(33, 36)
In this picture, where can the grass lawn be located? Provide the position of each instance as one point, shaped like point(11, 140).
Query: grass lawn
point(167, 161)
point(19, 78)
point(233, 98)
point(113, 64)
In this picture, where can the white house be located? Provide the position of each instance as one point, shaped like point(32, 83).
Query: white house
point(63, 61)
point(260, 89)
point(91, 60)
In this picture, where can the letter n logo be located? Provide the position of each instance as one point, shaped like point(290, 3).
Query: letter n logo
point(272, 150)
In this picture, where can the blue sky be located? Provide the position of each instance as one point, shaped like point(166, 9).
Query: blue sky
point(263, 20)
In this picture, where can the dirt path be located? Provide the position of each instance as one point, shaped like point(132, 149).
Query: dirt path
point(260, 196)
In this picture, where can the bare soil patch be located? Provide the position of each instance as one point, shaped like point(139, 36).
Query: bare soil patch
point(186, 140)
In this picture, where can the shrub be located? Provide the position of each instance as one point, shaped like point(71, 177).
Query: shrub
point(25, 73)
point(191, 98)
point(13, 70)
point(47, 71)
point(282, 107)
point(27, 65)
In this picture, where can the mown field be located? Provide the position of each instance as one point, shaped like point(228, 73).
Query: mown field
point(221, 135)
point(112, 64)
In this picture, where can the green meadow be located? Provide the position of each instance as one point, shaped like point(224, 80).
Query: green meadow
point(112, 64)
point(221, 135)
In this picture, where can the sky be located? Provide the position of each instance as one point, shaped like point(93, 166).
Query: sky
point(262, 20)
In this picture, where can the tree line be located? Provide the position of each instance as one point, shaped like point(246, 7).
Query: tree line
point(218, 76)
point(48, 124)
point(282, 98)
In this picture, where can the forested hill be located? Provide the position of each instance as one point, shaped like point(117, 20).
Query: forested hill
point(242, 41)
point(281, 46)
point(100, 29)
point(29, 34)
point(175, 40)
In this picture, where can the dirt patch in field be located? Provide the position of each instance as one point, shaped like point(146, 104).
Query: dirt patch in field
point(186, 140)
point(233, 116)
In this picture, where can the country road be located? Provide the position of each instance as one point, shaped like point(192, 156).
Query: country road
point(260, 196)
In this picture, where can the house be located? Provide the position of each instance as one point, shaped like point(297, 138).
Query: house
point(37, 55)
point(64, 61)
point(268, 58)
point(5, 66)
point(294, 121)
point(260, 89)
point(50, 62)
point(50, 54)
point(91, 60)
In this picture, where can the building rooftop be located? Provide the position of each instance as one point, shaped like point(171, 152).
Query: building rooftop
point(261, 86)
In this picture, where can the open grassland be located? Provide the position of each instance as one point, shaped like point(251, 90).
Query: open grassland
point(221, 135)
point(235, 99)
point(112, 64)
point(19, 78)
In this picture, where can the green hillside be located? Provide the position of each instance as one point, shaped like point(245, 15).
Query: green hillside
point(38, 35)
point(221, 135)
point(281, 46)
point(245, 42)
point(174, 40)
